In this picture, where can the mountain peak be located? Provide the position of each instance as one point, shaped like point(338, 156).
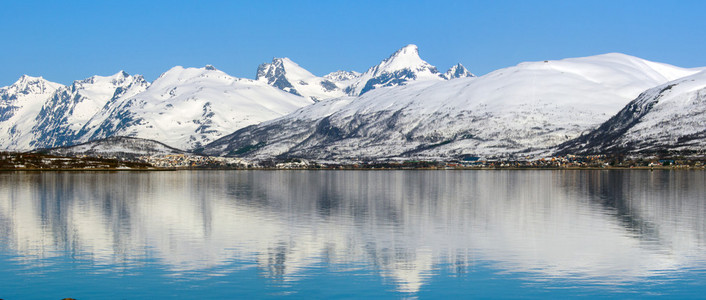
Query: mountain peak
point(26, 77)
point(120, 75)
point(401, 67)
point(283, 60)
point(458, 71)
point(283, 66)
point(35, 85)
point(406, 57)
point(410, 49)
point(342, 75)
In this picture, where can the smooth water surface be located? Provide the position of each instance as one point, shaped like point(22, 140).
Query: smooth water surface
point(352, 234)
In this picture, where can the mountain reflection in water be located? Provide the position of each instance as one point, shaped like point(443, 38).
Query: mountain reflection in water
point(604, 227)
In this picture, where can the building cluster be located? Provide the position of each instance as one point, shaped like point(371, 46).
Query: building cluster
point(588, 162)
point(295, 164)
point(185, 161)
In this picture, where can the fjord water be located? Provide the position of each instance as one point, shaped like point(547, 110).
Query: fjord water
point(352, 234)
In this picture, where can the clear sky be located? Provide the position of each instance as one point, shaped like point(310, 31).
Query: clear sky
point(69, 40)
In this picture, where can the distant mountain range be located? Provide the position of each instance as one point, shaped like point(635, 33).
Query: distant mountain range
point(401, 108)
point(523, 111)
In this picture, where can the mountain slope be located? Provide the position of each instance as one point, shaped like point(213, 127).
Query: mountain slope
point(61, 118)
point(116, 146)
point(189, 107)
point(670, 117)
point(20, 103)
point(520, 110)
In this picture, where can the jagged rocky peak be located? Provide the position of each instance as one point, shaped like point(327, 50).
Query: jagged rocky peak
point(118, 79)
point(281, 67)
point(288, 76)
point(401, 67)
point(406, 58)
point(339, 76)
point(100, 89)
point(458, 71)
point(274, 74)
point(267, 70)
point(62, 116)
point(19, 105)
point(31, 85)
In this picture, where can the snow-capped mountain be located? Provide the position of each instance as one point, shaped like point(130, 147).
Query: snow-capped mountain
point(190, 107)
point(669, 117)
point(401, 67)
point(20, 103)
point(457, 71)
point(342, 76)
point(185, 108)
point(62, 117)
point(288, 76)
point(521, 110)
point(400, 108)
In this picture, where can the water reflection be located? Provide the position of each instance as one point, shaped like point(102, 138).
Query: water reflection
point(600, 226)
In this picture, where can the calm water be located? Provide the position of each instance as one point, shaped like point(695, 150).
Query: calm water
point(352, 234)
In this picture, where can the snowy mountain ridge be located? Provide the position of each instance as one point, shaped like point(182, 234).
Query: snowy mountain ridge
point(184, 107)
point(64, 114)
point(399, 109)
point(189, 107)
point(20, 104)
point(401, 67)
point(669, 117)
point(523, 110)
point(288, 76)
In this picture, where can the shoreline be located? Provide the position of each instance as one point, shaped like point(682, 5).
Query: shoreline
point(348, 169)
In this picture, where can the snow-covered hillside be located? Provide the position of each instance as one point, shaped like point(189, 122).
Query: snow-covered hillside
point(62, 117)
point(401, 108)
point(20, 103)
point(521, 110)
point(116, 146)
point(185, 108)
point(190, 107)
point(668, 117)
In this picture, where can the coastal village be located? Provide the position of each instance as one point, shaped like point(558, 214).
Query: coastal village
point(186, 161)
point(32, 161)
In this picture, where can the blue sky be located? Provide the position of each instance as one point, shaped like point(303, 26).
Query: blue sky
point(65, 41)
